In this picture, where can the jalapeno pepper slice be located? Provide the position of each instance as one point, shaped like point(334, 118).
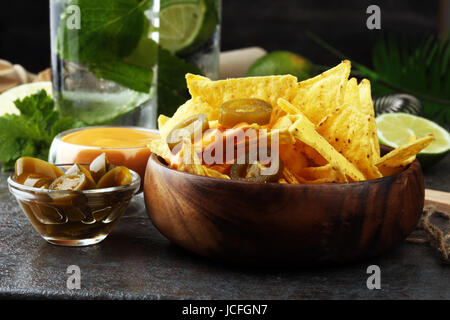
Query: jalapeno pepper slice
point(76, 182)
point(250, 111)
point(188, 128)
point(119, 176)
point(252, 172)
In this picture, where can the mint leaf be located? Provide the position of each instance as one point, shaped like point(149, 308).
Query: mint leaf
point(111, 31)
point(131, 76)
point(172, 89)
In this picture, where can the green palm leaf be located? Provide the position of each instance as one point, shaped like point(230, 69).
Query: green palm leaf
point(420, 68)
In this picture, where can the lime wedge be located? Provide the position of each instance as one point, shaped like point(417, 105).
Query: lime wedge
point(180, 23)
point(8, 97)
point(394, 129)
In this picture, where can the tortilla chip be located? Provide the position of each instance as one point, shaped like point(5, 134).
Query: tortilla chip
point(319, 173)
point(351, 95)
point(314, 158)
point(191, 163)
point(189, 108)
point(304, 130)
point(319, 96)
point(289, 176)
point(390, 171)
point(293, 158)
point(348, 131)
point(404, 154)
point(277, 113)
point(159, 147)
point(269, 88)
point(319, 181)
point(162, 120)
point(366, 106)
point(282, 123)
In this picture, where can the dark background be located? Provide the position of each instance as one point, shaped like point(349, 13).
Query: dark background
point(273, 25)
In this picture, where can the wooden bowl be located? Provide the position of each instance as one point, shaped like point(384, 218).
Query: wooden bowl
point(274, 223)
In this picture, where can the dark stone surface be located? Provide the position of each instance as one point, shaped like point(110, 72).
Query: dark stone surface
point(136, 262)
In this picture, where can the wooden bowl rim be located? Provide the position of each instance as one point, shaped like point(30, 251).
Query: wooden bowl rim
point(414, 166)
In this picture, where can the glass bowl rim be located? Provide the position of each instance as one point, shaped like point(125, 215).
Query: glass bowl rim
point(135, 184)
point(59, 136)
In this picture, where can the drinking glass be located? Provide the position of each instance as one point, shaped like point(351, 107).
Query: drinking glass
point(104, 60)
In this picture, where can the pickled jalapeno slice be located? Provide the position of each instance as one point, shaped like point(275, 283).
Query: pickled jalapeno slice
point(252, 172)
point(75, 182)
point(37, 181)
point(27, 165)
point(77, 169)
point(98, 167)
point(119, 176)
point(188, 128)
point(250, 111)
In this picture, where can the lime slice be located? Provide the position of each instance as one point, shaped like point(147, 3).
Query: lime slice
point(180, 23)
point(8, 97)
point(394, 129)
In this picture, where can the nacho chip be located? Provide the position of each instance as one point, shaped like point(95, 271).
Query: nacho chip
point(162, 120)
point(268, 88)
point(319, 96)
point(319, 173)
point(189, 108)
point(277, 113)
point(319, 181)
point(351, 95)
point(191, 163)
point(304, 130)
point(161, 148)
point(314, 158)
point(282, 123)
point(387, 170)
point(366, 106)
point(289, 176)
point(349, 131)
point(293, 158)
point(404, 154)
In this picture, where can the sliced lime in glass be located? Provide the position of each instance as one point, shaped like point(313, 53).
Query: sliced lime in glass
point(394, 129)
point(180, 23)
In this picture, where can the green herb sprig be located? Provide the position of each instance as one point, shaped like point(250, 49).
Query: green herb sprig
point(31, 133)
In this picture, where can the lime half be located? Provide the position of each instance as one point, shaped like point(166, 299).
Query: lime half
point(8, 97)
point(282, 62)
point(180, 23)
point(394, 129)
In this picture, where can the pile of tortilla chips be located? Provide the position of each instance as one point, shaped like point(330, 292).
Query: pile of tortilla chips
point(326, 126)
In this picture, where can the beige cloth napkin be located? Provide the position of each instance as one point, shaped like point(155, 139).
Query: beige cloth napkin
point(12, 75)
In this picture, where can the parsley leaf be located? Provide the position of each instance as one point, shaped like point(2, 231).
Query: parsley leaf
point(31, 133)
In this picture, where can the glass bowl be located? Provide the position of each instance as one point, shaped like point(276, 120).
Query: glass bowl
point(74, 218)
point(134, 158)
